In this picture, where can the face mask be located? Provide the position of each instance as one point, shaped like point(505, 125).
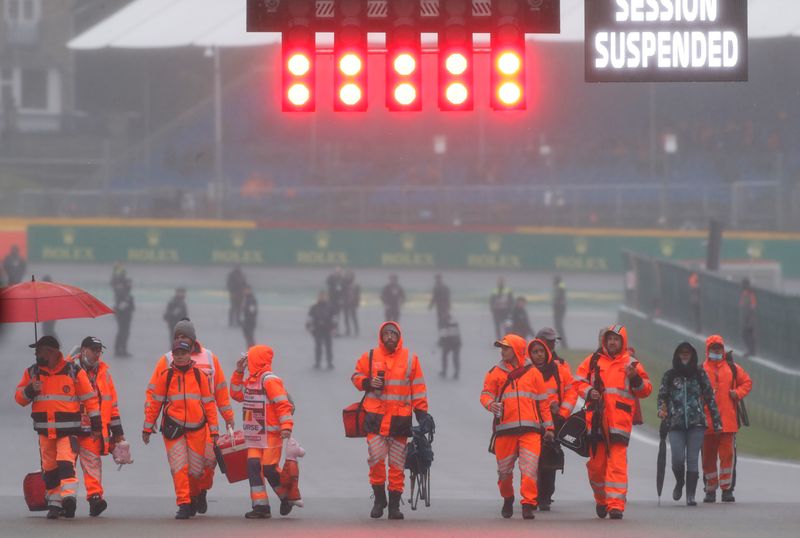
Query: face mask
point(715, 356)
point(89, 365)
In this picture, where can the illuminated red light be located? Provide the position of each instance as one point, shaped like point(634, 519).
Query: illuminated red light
point(405, 94)
point(457, 93)
point(509, 63)
point(299, 65)
point(456, 64)
point(509, 93)
point(350, 94)
point(351, 65)
point(404, 64)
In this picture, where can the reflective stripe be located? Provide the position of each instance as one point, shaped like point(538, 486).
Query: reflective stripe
point(148, 426)
point(177, 397)
point(619, 392)
point(204, 399)
point(94, 413)
point(107, 398)
point(524, 394)
point(548, 424)
point(618, 485)
point(419, 381)
point(726, 470)
point(487, 393)
point(158, 397)
point(422, 394)
point(213, 429)
point(49, 425)
point(396, 382)
point(396, 397)
point(150, 386)
point(221, 385)
point(711, 476)
point(273, 428)
point(279, 398)
point(614, 495)
point(582, 380)
point(55, 397)
point(191, 425)
point(115, 422)
point(551, 391)
point(617, 431)
point(88, 396)
point(521, 423)
point(225, 408)
point(285, 418)
point(237, 388)
point(566, 405)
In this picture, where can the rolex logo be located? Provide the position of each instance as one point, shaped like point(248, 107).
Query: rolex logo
point(494, 242)
point(153, 237)
point(237, 238)
point(667, 247)
point(68, 236)
point(408, 241)
point(581, 245)
point(323, 239)
point(755, 250)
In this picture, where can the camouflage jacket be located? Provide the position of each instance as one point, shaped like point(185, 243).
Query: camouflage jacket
point(686, 398)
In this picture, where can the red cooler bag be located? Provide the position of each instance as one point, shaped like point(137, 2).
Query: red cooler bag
point(34, 490)
point(231, 452)
point(353, 418)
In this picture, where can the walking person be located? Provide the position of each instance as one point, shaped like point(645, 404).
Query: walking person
point(267, 417)
point(392, 378)
point(123, 311)
point(731, 384)
point(57, 391)
point(14, 265)
point(560, 308)
point(518, 321)
point(336, 288)
point(321, 324)
point(249, 315)
point(514, 392)
point(501, 303)
point(176, 310)
point(747, 315)
point(189, 411)
point(450, 342)
point(684, 394)
point(235, 283)
point(119, 277)
point(393, 296)
point(611, 380)
point(562, 396)
point(440, 298)
point(352, 300)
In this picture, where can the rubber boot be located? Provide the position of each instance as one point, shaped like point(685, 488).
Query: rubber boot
point(68, 506)
point(97, 505)
point(601, 510)
point(380, 502)
point(727, 496)
point(711, 496)
point(394, 505)
point(508, 507)
point(678, 471)
point(691, 487)
point(185, 511)
point(259, 512)
point(201, 503)
point(528, 511)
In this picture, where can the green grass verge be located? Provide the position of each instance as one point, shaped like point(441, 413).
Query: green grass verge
point(754, 440)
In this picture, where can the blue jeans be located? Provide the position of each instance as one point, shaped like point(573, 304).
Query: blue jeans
point(685, 446)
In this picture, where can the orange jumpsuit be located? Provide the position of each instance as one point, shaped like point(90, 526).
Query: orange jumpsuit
point(721, 445)
point(188, 401)
point(608, 466)
point(56, 414)
point(266, 411)
point(91, 449)
point(526, 415)
point(388, 411)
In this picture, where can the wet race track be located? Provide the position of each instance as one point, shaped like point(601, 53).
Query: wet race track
point(334, 472)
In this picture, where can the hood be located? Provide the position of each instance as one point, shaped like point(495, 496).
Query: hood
point(549, 366)
point(620, 330)
point(678, 366)
point(520, 348)
point(259, 359)
point(399, 341)
point(714, 339)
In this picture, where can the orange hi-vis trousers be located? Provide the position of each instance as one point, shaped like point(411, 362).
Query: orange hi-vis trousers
point(58, 464)
point(261, 463)
point(718, 445)
point(89, 452)
point(209, 463)
point(378, 449)
point(608, 475)
point(186, 463)
point(526, 448)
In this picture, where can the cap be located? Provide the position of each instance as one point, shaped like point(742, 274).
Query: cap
point(186, 328)
point(502, 343)
point(92, 342)
point(390, 327)
point(547, 333)
point(182, 346)
point(46, 341)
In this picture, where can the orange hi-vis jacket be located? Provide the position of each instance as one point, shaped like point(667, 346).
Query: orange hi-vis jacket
point(388, 411)
point(208, 363)
point(267, 407)
point(187, 400)
point(721, 376)
point(557, 378)
point(526, 406)
point(57, 408)
point(103, 385)
point(618, 394)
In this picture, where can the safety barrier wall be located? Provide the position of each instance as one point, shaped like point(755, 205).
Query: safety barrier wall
point(661, 289)
point(586, 250)
point(775, 399)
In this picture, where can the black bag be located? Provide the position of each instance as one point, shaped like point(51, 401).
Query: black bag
point(552, 457)
point(574, 435)
point(170, 428)
point(742, 418)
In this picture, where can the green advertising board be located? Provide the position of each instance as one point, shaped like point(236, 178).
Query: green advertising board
point(559, 250)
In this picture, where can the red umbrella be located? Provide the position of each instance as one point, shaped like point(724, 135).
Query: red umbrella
point(46, 301)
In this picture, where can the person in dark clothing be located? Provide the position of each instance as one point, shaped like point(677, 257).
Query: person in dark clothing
point(450, 342)
point(321, 324)
point(176, 311)
point(559, 307)
point(747, 308)
point(695, 301)
point(123, 310)
point(235, 283)
point(352, 299)
point(249, 315)
point(14, 265)
point(393, 296)
point(501, 302)
point(336, 285)
point(520, 324)
point(119, 277)
point(49, 327)
point(440, 298)
point(684, 395)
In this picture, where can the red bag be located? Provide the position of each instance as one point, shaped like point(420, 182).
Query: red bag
point(353, 417)
point(637, 413)
point(34, 490)
point(231, 452)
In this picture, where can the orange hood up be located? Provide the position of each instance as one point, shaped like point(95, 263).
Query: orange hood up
point(259, 360)
point(381, 346)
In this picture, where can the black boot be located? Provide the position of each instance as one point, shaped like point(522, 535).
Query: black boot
point(678, 471)
point(528, 511)
point(691, 487)
point(508, 507)
point(379, 492)
point(259, 512)
point(727, 496)
point(96, 505)
point(286, 507)
point(201, 503)
point(711, 496)
point(53, 512)
point(68, 506)
point(394, 505)
point(185, 511)
point(600, 510)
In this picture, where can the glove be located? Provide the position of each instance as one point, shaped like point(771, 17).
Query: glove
point(425, 421)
